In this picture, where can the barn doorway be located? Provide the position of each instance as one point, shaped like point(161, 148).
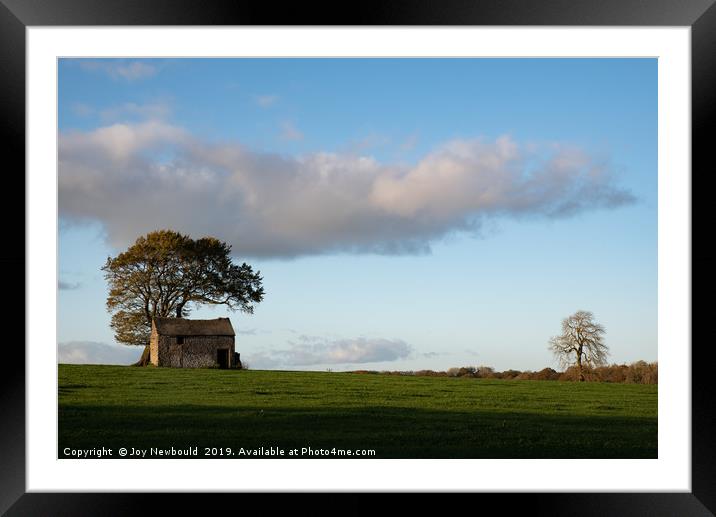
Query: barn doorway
point(222, 357)
point(175, 356)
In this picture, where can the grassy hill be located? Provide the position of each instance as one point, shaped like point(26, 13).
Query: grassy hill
point(397, 416)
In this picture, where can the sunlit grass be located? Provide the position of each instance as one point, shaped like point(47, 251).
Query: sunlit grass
point(398, 416)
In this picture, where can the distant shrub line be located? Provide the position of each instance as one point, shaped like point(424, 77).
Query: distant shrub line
point(639, 372)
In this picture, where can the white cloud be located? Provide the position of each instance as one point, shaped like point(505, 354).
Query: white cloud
point(139, 177)
point(82, 110)
point(266, 101)
point(134, 111)
point(290, 132)
point(135, 70)
point(125, 112)
point(367, 143)
point(90, 352)
point(322, 352)
point(120, 68)
point(409, 143)
point(119, 142)
point(67, 286)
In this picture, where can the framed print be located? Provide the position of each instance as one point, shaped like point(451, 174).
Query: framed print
point(379, 237)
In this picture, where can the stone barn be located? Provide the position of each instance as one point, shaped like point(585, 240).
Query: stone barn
point(183, 343)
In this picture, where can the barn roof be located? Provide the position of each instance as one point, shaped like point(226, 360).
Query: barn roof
point(184, 327)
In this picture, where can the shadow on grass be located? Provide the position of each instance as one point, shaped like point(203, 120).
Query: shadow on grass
point(393, 432)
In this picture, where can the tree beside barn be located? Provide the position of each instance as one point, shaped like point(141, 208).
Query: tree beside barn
point(166, 274)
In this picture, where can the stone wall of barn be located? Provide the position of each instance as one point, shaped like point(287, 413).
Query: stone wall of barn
point(195, 352)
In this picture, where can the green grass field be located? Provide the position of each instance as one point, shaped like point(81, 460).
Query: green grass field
point(397, 416)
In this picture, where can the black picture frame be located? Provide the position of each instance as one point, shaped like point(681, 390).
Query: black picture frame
point(16, 15)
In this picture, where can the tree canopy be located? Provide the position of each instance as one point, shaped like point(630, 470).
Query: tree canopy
point(581, 343)
point(166, 273)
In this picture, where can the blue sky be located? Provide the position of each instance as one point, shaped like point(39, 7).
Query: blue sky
point(405, 213)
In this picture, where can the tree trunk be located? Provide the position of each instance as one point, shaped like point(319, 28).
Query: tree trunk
point(179, 309)
point(579, 364)
point(144, 360)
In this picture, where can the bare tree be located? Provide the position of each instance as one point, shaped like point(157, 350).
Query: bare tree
point(581, 343)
